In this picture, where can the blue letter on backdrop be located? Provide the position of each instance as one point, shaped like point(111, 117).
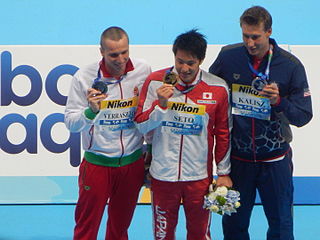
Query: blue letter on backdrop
point(7, 75)
point(73, 142)
point(30, 142)
point(52, 82)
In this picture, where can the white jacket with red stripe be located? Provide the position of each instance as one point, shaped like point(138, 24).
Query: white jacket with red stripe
point(195, 125)
point(101, 139)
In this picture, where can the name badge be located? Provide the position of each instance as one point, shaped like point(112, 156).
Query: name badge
point(184, 118)
point(247, 102)
point(117, 115)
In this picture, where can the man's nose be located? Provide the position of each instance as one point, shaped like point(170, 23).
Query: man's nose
point(121, 58)
point(184, 68)
point(250, 42)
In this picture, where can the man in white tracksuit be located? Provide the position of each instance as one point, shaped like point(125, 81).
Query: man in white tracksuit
point(112, 169)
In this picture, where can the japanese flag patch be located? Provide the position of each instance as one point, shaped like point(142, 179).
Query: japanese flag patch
point(207, 95)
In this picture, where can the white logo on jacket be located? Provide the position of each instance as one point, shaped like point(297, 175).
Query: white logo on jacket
point(236, 76)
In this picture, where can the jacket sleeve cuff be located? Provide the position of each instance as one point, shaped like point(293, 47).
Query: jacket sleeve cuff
point(163, 108)
point(280, 105)
point(90, 114)
point(277, 103)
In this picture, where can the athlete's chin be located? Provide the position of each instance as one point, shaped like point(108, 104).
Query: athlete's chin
point(119, 69)
point(186, 78)
point(253, 52)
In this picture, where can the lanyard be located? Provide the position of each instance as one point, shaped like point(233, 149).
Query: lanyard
point(191, 87)
point(105, 79)
point(264, 76)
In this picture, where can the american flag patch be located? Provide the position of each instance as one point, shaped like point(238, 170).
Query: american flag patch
point(306, 92)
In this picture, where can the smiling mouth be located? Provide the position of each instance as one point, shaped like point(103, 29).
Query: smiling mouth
point(185, 74)
point(120, 66)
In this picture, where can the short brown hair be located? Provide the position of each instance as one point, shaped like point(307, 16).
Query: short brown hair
point(256, 15)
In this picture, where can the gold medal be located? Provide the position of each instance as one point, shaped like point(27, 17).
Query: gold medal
point(170, 78)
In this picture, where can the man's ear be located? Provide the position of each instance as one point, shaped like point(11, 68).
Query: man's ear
point(269, 32)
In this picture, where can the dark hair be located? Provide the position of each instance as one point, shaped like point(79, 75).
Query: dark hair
point(256, 15)
point(113, 33)
point(192, 42)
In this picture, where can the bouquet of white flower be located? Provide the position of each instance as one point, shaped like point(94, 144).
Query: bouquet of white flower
point(221, 200)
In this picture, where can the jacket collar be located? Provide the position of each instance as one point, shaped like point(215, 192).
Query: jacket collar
point(106, 74)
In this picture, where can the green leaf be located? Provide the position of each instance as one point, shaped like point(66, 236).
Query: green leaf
point(221, 200)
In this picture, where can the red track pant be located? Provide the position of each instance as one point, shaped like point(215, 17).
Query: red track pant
point(97, 185)
point(166, 199)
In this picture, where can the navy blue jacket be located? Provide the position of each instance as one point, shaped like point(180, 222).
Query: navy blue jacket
point(260, 140)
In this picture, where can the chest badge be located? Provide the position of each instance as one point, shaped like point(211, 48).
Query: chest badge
point(207, 95)
point(207, 98)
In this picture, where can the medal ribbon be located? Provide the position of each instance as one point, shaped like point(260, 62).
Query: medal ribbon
point(264, 76)
point(191, 87)
point(105, 79)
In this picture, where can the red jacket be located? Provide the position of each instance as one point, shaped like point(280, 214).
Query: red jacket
point(186, 134)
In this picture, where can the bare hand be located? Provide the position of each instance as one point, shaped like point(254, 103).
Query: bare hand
point(224, 181)
point(94, 98)
point(271, 91)
point(164, 93)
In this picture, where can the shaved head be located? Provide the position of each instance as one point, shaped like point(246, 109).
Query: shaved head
point(113, 33)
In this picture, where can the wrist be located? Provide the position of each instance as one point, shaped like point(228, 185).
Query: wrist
point(163, 103)
point(90, 114)
point(277, 102)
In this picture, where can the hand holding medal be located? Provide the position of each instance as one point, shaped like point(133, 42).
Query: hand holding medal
point(166, 90)
point(100, 86)
point(262, 79)
point(271, 91)
point(96, 94)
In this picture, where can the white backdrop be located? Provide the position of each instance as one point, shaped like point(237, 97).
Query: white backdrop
point(45, 58)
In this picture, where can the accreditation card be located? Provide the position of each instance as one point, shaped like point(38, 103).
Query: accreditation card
point(247, 102)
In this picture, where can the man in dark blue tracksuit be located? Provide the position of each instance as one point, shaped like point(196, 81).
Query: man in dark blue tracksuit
point(269, 91)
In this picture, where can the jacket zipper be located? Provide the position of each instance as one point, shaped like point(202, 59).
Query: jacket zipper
point(121, 132)
point(256, 65)
point(181, 144)
point(180, 156)
point(253, 135)
point(91, 131)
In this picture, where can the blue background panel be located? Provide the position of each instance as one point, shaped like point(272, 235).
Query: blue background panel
point(57, 190)
point(80, 22)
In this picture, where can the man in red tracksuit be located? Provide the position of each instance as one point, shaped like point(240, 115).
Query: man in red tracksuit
point(189, 121)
